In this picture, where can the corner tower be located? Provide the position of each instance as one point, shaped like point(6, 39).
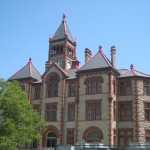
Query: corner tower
point(62, 47)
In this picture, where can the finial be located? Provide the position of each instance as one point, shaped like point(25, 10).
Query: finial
point(64, 17)
point(75, 41)
point(131, 66)
point(30, 59)
point(100, 48)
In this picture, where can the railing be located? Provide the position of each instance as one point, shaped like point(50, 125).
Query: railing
point(87, 147)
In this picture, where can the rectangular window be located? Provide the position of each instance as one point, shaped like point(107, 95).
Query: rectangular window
point(93, 110)
point(128, 88)
point(147, 111)
point(51, 112)
point(37, 93)
point(70, 136)
point(52, 86)
point(125, 111)
point(72, 89)
point(125, 88)
point(89, 87)
point(147, 135)
point(146, 88)
point(93, 86)
point(125, 136)
point(71, 111)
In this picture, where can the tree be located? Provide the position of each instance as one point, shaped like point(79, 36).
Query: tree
point(19, 123)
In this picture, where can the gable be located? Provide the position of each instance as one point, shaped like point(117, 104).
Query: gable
point(54, 69)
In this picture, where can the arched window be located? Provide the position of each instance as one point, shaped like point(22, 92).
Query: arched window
point(93, 135)
point(52, 86)
point(37, 93)
point(51, 139)
point(94, 85)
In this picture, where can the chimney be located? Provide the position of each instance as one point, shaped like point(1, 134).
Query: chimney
point(88, 55)
point(113, 55)
point(47, 64)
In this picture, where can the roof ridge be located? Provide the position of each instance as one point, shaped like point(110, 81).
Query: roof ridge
point(142, 72)
point(133, 72)
point(30, 68)
point(105, 58)
point(124, 69)
point(35, 68)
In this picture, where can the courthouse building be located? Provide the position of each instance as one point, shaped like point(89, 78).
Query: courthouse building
point(93, 103)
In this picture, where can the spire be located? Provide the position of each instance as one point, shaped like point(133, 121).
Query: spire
point(63, 31)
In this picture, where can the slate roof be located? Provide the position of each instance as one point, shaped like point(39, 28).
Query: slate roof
point(28, 71)
point(132, 73)
point(98, 61)
point(71, 73)
point(63, 31)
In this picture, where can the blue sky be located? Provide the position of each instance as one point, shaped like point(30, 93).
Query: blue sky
point(25, 26)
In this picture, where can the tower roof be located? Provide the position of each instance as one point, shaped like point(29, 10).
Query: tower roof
point(63, 31)
point(27, 72)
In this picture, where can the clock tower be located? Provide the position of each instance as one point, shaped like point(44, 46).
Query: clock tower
point(62, 47)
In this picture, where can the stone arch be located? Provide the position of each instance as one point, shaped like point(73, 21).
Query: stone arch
point(93, 129)
point(52, 74)
point(49, 128)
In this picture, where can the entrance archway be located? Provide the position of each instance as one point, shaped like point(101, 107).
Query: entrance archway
point(51, 139)
point(49, 135)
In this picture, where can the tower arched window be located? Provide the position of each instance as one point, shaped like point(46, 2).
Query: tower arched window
point(52, 85)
